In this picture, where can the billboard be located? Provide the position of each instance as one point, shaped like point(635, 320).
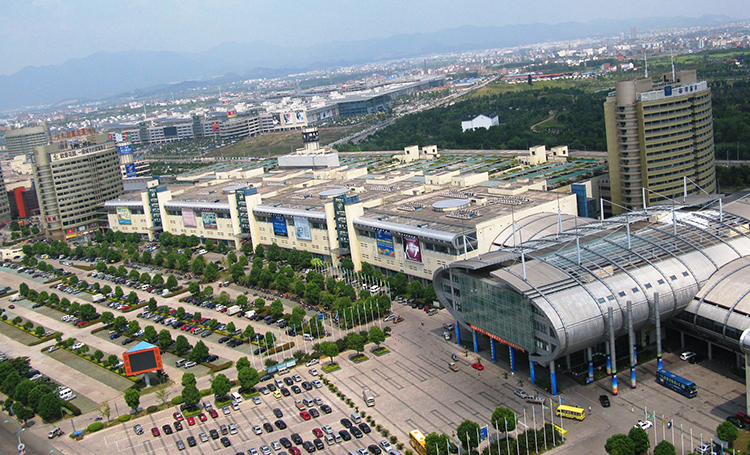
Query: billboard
point(288, 118)
point(232, 113)
point(302, 228)
point(310, 136)
point(142, 358)
point(300, 116)
point(384, 240)
point(188, 217)
point(279, 225)
point(123, 215)
point(130, 170)
point(153, 202)
point(276, 119)
point(214, 126)
point(412, 251)
point(170, 131)
point(125, 149)
point(209, 220)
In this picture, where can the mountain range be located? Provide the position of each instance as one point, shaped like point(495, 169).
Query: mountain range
point(106, 74)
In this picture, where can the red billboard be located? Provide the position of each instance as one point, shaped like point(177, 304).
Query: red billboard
point(142, 358)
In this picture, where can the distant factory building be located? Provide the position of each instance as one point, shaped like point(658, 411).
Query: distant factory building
point(484, 120)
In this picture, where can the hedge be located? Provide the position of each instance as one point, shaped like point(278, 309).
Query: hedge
point(152, 409)
point(205, 392)
point(94, 427)
point(123, 418)
point(71, 407)
point(177, 400)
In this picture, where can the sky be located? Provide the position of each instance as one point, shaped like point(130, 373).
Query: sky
point(49, 32)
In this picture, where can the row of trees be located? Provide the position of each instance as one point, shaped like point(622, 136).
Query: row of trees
point(85, 312)
point(144, 278)
point(25, 397)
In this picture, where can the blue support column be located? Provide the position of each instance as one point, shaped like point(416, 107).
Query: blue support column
point(532, 376)
point(492, 348)
point(553, 378)
point(474, 337)
point(512, 360)
point(609, 361)
point(590, 357)
point(458, 333)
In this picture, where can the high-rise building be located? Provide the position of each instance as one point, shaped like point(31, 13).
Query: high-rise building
point(73, 179)
point(633, 32)
point(4, 204)
point(660, 137)
point(23, 141)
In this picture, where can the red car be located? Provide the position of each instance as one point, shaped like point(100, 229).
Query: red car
point(305, 415)
point(213, 413)
point(743, 417)
point(317, 432)
point(125, 308)
point(155, 432)
point(477, 366)
point(202, 417)
point(294, 450)
point(178, 417)
point(81, 323)
point(191, 421)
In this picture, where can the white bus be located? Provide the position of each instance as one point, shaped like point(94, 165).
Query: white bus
point(368, 397)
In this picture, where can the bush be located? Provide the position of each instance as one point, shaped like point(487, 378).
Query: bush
point(152, 409)
point(94, 427)
point(177, 400)
point(205, 392)
point(123, 418)
point(394, 439)
point(71, 407)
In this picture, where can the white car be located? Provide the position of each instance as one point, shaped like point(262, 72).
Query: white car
point(317, 383)
point(77, 346)
point(327, 429)
point(385, 445)
point(313, 371)
point(312, 362)
point(687, 355)
point(257, 430)
point(297, 378)
point(644, 424)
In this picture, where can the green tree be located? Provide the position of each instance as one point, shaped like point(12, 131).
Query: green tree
point(199, 352)
point(437, 444)
point(620, 444)
point(152, 304)
point(502, 416)
point(211, 272)
point(188, 379)
point(468, 433)
point(163, 395)
point(107, 318)
point(149, 332)
point(198, 265)
point(329, 349)
point(120, 323)
point(356, 342)
point(191, 395)
point(39, 331)
point(119, 292)
point(640, 439)
point(112, 360)
point(194, 288)
point(133, 327)
point(98, 355)
point(181, 345)
point(157, 280)
point(241, 363)
point(180, 313)
point(220, 385)
point(22, 391)
point(312, 293)
point(665, 448)
point(248, 377)
point(50, 407)
point(231, 328)
point(249, 332)
point(22, 412)
point(165, 338)
point(377, 335)
point(132, 298)
point(171, 283)
point(726, 431)
point(277, 309)
point(133, 399)
point(36, 395)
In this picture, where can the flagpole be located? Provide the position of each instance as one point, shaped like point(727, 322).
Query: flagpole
point(552, 419)
point(526, 432)
point(671, 426)
point(536, 440)
point(562, 425)
point(691, 439)
point(663, 430)
point(507, 441)
point(497, 435)
point(518, 449)
point(478, 441)
point(682, 441)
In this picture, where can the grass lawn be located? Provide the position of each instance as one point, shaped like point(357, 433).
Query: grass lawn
point(272, 144)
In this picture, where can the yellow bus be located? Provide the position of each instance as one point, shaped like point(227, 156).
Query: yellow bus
point(569, 412)
point(416, 438)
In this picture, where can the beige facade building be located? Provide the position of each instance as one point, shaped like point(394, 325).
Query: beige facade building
point(74, 177)
point(660, 137)
point(23, 141)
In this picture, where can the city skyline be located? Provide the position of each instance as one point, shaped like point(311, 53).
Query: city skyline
point(39, 33)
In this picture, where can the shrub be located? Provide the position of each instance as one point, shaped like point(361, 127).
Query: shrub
point(394, 439)
point(385, 432)
point(152, 409)
point(205, 392)
point(400, 445)
point(123, 418)
point(177, 400)
point(379, 427)
point(94, 427)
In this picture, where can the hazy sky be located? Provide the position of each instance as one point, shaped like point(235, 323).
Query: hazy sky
point(44, 32)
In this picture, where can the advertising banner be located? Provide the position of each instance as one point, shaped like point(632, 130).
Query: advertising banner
point(276, 119)
point(130, 170)
point(125, 149)
point(300, 116)
point(288, 118)
point(302, 228)
point(123, 215)
point(385, 243)
point(279, 225)
point(412, 251)
point(188, 217)
point(209, 220)
point(214, 126)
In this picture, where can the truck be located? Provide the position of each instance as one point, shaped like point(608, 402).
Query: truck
point(231, 311)
point(98, 298)
point(250, 314)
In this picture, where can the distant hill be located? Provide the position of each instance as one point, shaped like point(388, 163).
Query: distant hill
point(107, 74)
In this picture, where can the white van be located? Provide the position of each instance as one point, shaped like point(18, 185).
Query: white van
point(307, 337)
point(282, 370)
point(356, 418)
point(237, 397)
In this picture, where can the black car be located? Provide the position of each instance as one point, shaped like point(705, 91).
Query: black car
point(314, 413)
point(178, 426)
point(224, 339)
point(277, 412)
point(259, 351)
point(364, 427)
point(214, 434)
point(268, 427)
point(318, 444)
point(325, 408)
point(308, 446)
point(280, 424)
point(288, 381)
point(737, 422)
point(374, 450)
point(167, 429)
point(284, 391)
point(356, 432)
point(225, 442)
point(604, 400)
point(191, 441)
point(296, 389)
point(345, 435)
point(271, 387)
point(266, 377)
point(697, 358)
point(285, 442)
point(296, 438)
point(306, 385)
point(346, 423)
